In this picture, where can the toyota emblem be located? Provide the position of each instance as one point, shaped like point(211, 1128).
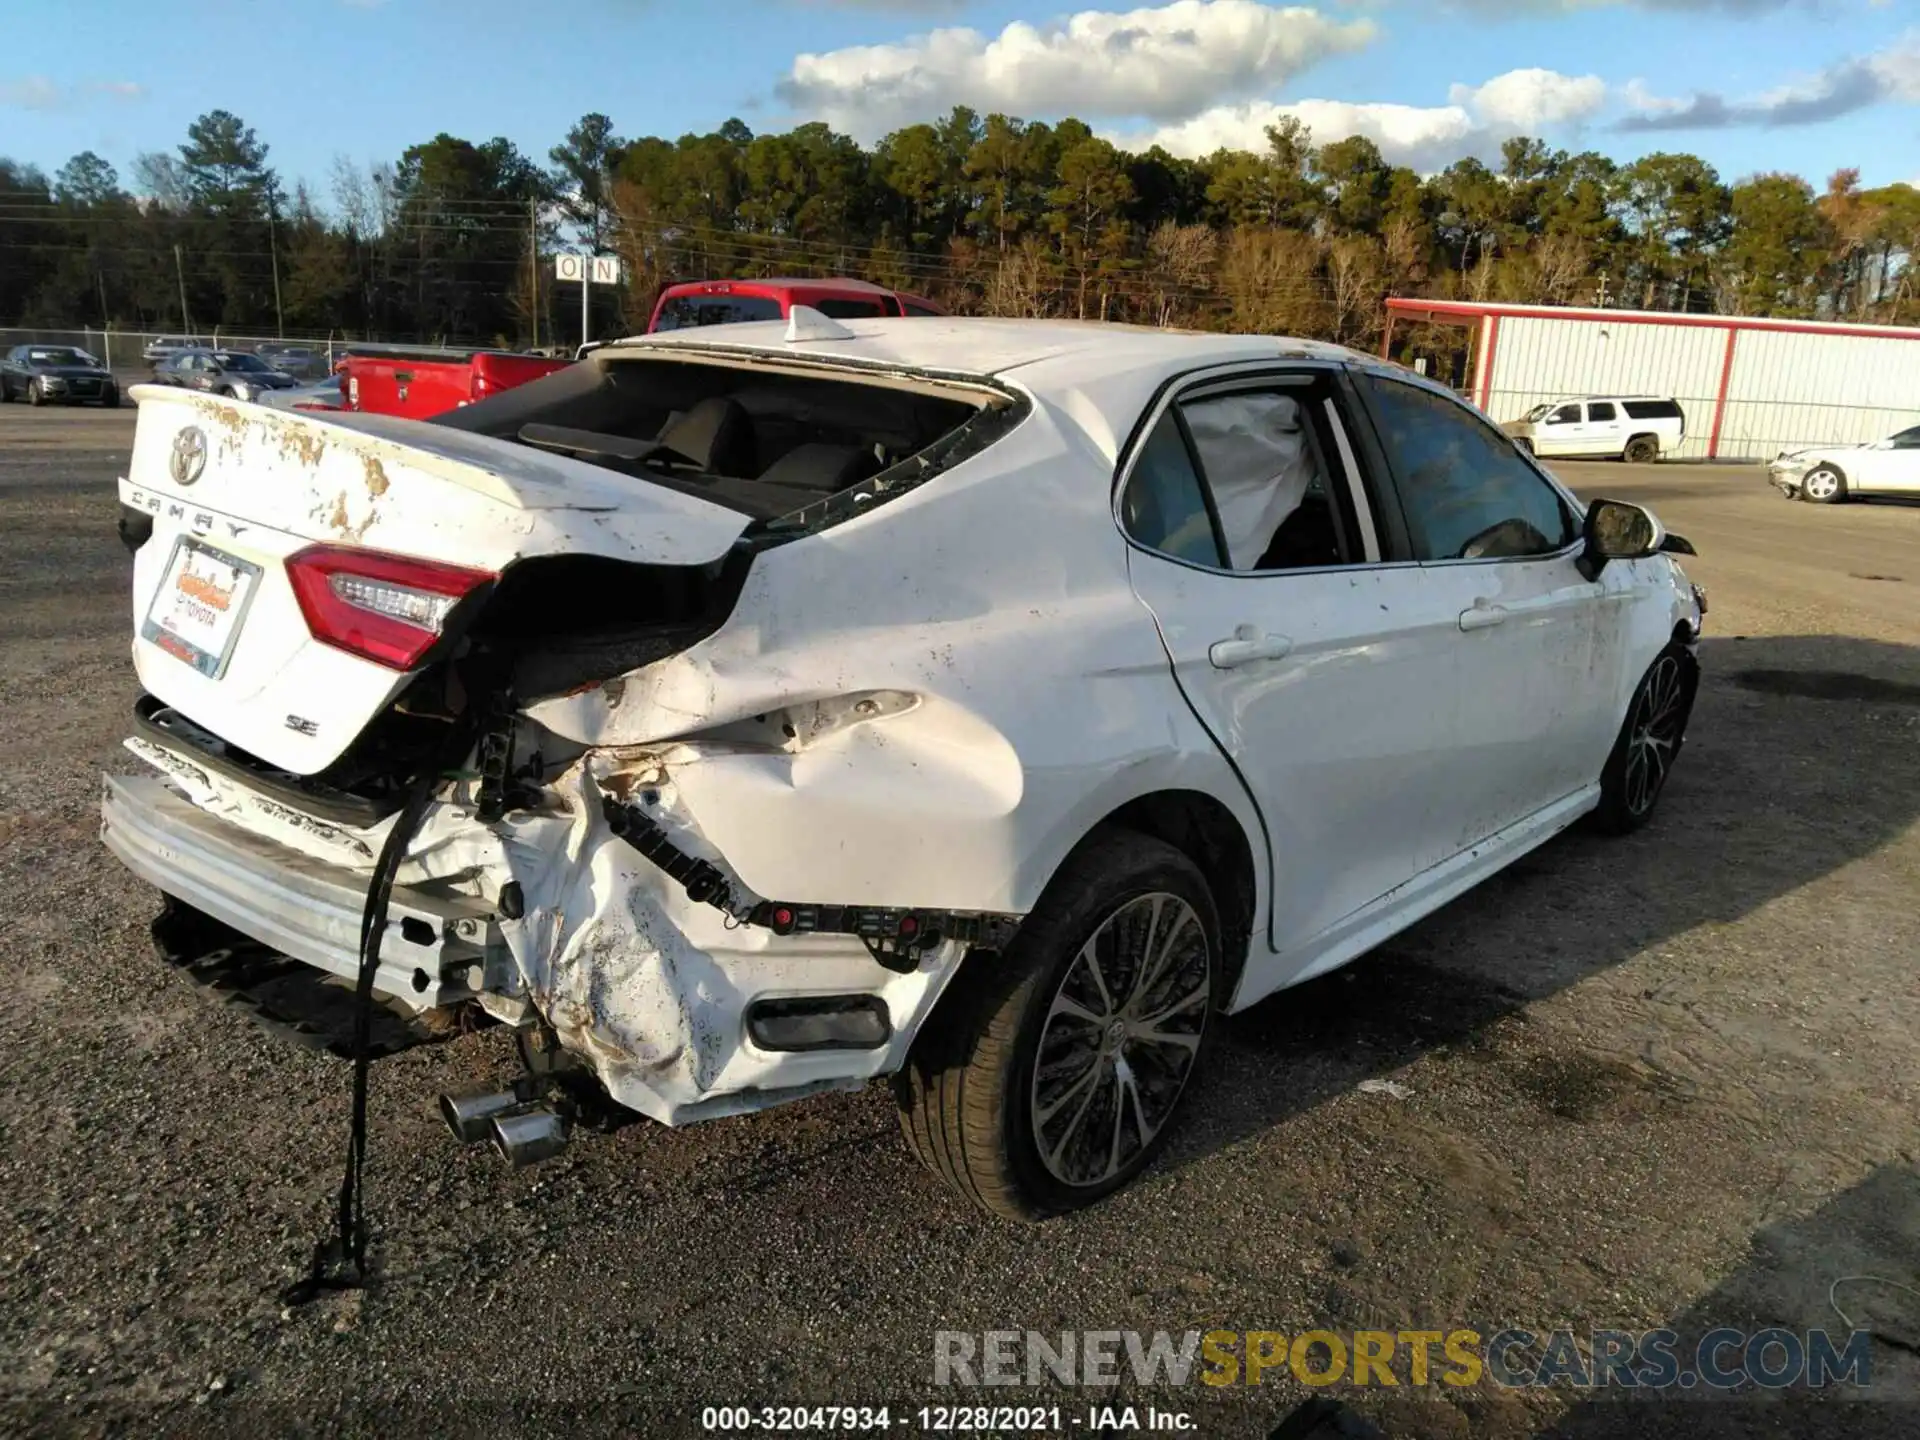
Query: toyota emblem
point(189, 455)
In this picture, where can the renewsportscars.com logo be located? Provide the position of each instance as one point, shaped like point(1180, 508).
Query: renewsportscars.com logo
point(1725, 1359)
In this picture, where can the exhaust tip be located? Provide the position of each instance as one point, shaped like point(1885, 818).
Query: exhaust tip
point(470, 1114)
point(529, 1136)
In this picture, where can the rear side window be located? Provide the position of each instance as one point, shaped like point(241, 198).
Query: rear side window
point(1165, 508)
point(1466, 492)
point(1269, 488)
point(849, 309)
point(913, 309)
point(1652, 409)
point(1602, 411)
point(683, 312)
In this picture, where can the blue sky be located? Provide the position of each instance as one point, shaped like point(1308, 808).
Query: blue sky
point(1802, 85)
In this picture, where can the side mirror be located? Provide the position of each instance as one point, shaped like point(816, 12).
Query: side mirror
point(1616, 530)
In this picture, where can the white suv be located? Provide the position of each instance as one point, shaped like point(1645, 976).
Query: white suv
point(1638, 428)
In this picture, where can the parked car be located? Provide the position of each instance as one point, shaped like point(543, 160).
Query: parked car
point(420, 383)
point(236, 374)
point(327, 394)
point(56, 374)
point(165, 347)
point(1636, 428)
point(300, 361)
point(1827, 474)
point(729, 302)
point(990, 705)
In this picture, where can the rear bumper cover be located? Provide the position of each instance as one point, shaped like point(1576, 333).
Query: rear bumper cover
point(296, 904)
point(650, 987)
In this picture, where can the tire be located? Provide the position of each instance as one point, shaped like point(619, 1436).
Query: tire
point(1642, 450)
point(112, 402)
point(6, 392)
point(1823, 485)
point(979, 1107)
point(1650, 740)
point(35, 395)
point(1526, 445)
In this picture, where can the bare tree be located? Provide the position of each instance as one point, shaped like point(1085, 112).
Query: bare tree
point(1021, 284)
point(1270, 281)
point(1179, 270)
point(1560, 264)
point(1356, 284)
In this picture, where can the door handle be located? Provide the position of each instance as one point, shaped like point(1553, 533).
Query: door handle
point(1482, 617)
point(1247, 647)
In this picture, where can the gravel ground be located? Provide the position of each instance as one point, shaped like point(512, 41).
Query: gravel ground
point(1669, 1080)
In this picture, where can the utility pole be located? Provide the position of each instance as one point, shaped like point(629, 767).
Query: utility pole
point(1602, 301)
point(533, 265)
point(586, 289)
point(273, 250)
point(180, 274)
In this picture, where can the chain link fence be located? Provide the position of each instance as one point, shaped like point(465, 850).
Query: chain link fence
point(129, 355)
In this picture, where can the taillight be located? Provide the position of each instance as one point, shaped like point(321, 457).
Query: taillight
point(480, 387)
point(389, 609)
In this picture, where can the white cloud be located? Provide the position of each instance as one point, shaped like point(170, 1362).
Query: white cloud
point(1166, 63)
point(1840, 89)
point(34, 92)
point(37, 92)
point(1529, 99)
point(1427, 138)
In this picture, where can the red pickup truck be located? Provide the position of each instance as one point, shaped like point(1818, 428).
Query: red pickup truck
point(417, 383)
point(723, 302)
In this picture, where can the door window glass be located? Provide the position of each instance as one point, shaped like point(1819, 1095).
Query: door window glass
point(1466, 491)
point(1164, 507)
point(1565, 415)
point(847, 309)
point(1262, 468)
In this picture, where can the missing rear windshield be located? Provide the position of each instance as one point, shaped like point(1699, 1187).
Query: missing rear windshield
point(789, 448)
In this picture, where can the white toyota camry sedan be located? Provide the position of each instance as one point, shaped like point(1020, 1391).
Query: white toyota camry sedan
point(992, 705)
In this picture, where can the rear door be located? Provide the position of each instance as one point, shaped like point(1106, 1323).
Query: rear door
point(1606, 430)
point(1315, 660)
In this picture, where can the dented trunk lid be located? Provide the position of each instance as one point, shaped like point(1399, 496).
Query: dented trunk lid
point(234, 490)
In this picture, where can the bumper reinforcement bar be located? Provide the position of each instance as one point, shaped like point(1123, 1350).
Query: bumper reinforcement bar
point(893, 936)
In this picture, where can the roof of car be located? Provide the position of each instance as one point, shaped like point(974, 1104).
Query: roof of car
point(1118, 368)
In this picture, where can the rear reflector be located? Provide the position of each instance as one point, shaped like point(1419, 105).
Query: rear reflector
point(389, 609)
point(820, 1022)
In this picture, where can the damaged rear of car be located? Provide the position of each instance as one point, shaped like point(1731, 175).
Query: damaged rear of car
point(667, 694)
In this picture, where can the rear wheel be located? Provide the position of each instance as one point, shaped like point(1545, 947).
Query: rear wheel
point(1642, 450)
point(1649, 742)
point(1823, 485)
point(1049, 1077)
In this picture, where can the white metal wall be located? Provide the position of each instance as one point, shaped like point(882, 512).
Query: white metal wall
point(1787, 389)
point(1536, 360)
point(1795, 389)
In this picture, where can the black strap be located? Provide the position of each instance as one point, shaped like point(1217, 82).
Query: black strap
point(340, 1260)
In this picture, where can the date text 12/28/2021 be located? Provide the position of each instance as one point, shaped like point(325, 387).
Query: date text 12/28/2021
point(946, 1419)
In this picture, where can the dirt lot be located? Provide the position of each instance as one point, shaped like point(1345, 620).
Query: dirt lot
point(1670, 1080)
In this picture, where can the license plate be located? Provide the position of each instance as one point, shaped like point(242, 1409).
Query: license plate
point(196, 614)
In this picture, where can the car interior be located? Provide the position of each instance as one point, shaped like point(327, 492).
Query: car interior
point(762, 443)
